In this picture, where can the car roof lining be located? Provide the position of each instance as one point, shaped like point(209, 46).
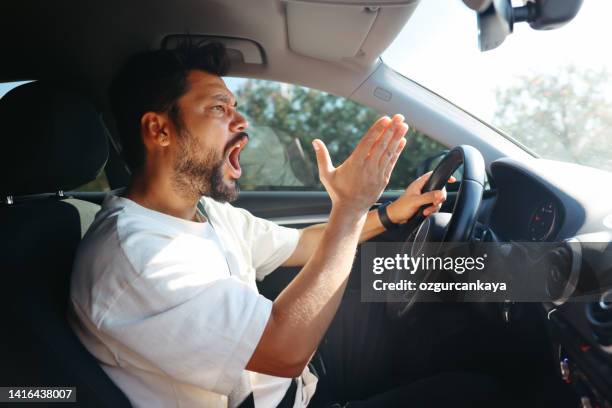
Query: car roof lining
point(104, 34)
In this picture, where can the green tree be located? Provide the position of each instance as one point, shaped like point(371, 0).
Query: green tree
point(295, 116)
point(566, 116)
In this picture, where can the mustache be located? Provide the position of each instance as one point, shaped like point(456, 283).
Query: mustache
point(234, 140)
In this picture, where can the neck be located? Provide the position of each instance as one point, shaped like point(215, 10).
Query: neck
point(155, 191)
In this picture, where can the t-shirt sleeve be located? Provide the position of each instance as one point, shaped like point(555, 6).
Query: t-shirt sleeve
point(195, 330)
point(271, 244)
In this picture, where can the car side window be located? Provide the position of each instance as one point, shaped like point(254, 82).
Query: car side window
point(7, 86)
point(99, 184)
point(283, 121)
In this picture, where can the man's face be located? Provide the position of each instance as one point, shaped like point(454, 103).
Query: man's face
point(210, 137)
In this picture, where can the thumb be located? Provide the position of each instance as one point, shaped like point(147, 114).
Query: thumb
point(419, 183)
point(323, 160)
point(429, 197)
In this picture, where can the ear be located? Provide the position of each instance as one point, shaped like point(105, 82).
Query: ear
point(154, 129)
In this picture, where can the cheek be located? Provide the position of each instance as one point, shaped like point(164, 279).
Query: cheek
point(208, 134)
point(214, 132)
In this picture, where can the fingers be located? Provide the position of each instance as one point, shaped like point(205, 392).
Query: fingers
point(419, 183)
point(387, 155)
point(431, 209)
point(385, 146)
point(371, 136)
point(434, 197)
point(324, 162)
point(391, 164)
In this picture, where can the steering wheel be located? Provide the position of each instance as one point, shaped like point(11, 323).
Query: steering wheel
point(444, 227)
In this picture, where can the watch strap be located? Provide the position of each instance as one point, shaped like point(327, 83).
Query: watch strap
point(384, 217)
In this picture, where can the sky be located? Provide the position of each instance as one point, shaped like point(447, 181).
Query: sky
point(438, 48)
point(7, 86)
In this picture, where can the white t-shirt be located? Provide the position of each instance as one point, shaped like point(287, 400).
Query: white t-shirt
point(170, 307)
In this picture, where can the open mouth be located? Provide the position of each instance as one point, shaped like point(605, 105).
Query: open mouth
point(233, 155)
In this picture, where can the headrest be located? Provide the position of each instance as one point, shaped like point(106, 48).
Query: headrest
point(53, 140)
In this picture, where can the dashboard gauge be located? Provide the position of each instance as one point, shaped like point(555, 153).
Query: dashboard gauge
point(542, 222)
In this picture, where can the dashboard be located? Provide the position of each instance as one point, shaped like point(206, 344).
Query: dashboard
point(571, 206)
point(525, 210)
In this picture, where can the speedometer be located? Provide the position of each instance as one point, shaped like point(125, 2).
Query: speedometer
point(542, 221)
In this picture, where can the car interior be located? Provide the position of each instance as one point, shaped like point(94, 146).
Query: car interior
point(61, 136)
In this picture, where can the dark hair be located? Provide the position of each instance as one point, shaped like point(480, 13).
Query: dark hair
point(153, 81)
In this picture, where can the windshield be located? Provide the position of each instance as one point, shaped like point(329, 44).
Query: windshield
point(549, 90)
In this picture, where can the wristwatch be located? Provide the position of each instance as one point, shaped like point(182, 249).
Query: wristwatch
point(384, 217)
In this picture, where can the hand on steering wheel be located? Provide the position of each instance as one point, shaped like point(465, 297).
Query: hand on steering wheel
point(444, 227)
point(413, 198)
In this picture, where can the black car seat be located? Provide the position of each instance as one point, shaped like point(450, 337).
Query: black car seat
point(53, 141)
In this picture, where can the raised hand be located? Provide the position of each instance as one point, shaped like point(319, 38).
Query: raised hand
point(357, 183)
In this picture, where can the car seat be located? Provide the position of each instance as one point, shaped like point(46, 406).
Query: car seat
point(53, 141)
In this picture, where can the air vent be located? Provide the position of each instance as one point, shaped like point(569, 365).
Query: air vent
point(599, 315)
point(564, 270)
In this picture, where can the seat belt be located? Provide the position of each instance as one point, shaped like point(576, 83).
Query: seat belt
point(203, 211)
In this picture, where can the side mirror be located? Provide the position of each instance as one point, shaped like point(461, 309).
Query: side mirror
point(430, 162)
point(496, 18)
point(301, 165)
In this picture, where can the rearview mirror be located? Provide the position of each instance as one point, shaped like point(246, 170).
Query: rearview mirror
point(496, 18)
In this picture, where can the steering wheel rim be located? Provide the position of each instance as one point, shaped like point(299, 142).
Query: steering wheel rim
point(464, 214)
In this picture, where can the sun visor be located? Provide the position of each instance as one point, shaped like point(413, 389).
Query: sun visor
point(345, 30)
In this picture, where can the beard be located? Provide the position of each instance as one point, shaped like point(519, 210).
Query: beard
point(197, 175)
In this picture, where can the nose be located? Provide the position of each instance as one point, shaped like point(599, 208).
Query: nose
point(239, 123)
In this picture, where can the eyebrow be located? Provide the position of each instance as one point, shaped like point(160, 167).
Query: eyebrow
point(225, 99)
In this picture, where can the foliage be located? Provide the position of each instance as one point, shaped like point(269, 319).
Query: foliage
point(566, 116)
point(296, 116)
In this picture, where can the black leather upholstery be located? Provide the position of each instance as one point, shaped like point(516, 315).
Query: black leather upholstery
point(40, 237)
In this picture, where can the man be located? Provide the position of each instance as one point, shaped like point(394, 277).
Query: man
point(163, 291)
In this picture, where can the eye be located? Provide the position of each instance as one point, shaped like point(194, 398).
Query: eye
point(218, 108)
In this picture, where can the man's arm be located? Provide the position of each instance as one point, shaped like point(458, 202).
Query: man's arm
point(304, 309)
point(400, 211)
